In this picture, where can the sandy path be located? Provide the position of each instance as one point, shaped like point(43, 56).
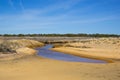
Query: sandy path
point(43, 69)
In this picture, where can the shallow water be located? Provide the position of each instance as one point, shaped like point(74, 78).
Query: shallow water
point(46, 53)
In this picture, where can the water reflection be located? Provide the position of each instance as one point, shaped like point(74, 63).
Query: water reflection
point(46, 53)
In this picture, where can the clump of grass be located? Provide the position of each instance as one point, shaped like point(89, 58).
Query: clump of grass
point(12, 45)
point(80, 46)
point(85, 47)
point(57, 45)
point(28, 43)
point(69, 45)
point(85, 41)
point(7, 46)
point(114, 43)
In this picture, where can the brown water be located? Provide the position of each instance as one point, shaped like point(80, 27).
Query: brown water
point(46, 53)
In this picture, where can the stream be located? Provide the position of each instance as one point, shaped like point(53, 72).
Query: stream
point(46, 53)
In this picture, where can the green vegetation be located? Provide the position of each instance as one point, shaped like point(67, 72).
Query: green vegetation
point(60, 35)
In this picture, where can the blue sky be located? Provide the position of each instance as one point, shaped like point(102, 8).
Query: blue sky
point(59, 16)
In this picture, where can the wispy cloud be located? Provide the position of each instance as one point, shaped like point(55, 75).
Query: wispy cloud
point(21, 5)
point(38, 21)
point(56, 14)
point(11, 3)
point(33, 17)
point(64, 5)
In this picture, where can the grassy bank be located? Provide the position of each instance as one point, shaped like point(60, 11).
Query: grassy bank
point(17, 48)
point(102, 48)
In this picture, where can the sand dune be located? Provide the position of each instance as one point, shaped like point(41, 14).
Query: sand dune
point(11, 49)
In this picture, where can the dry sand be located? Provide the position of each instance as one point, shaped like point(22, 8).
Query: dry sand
point(34, 68)
point(37, 68)
point(102, 48)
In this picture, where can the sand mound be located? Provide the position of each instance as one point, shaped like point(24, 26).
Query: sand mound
point(27, 51)
point(21, 47)
point(13, 45)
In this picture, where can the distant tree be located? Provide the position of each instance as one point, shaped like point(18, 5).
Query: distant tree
point(21, 35)
point(61, 35)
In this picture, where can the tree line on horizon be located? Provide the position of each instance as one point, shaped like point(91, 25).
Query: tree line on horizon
point(60, 35)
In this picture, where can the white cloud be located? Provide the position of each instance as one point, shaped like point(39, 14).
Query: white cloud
point(32, 17)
